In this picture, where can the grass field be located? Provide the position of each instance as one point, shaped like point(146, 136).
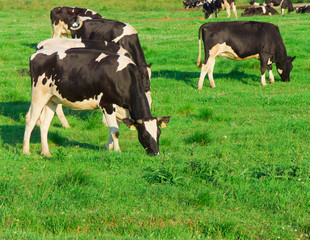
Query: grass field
point(234, 163)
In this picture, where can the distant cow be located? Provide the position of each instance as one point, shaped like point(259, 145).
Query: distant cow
point(115, 32)
point(283, 4)
point(84, 43)
point(193, 3)
point(86, 79)
point(241, 41)
point(60, 17)
point(214, 6)
point(303, 9)
point(263, 10)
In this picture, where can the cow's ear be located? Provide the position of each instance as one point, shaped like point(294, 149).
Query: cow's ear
point(149, 65)
point(129, 123)
point(291, 59)
point(162, 121)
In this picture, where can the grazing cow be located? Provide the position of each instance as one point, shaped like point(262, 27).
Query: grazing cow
point(303, 9)
point(115, 32)
point(283, 4)
point(94, 44)
point(84, 43)
point(193, 3)
point(263, 10)
point(60, 17)
point(241, 41)
point(86, 79)
point(214, 6)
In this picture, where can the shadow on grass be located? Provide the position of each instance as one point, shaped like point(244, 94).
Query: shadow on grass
point(13, 135)
point(187, 77)
point(18, 110)
point(31, 45)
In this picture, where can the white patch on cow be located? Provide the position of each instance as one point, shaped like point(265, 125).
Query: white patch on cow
point(86, 104)
point(264, 9)
point(223, 50)
point(127, 30)
point(123, 62)
point(122, 51)
point(269, 62)
point(151, 128)
point(83, 18)
point(100, 57)
point(263, 80)
point(62, 42)
point(280, 71)
point(61, 29)
point(92, 12)
point(61, 52)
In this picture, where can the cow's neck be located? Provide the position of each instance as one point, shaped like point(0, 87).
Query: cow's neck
point(139, 107)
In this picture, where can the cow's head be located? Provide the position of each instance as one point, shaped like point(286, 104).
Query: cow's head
point(286, 68)
point(208, 9)
point(148, 132)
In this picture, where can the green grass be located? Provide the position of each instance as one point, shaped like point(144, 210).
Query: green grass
point(234, 160)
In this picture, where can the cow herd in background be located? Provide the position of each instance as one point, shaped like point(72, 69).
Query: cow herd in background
point(214, 6)
point(103, 66)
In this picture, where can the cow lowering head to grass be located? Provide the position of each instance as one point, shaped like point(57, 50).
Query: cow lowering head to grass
point(283, 4)
point(120, 112)
point(85, 79)
point(303, 9)
point(240, 41)
point(60, 17)
point(214, 6)
point(116, 32)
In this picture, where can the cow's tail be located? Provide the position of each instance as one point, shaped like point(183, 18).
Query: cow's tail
point(199, 48)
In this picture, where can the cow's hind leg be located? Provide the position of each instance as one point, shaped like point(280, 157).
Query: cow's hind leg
point(61, 116)
point(46, 118)
point(207, 68)
point(31, 119)
point(114, 130)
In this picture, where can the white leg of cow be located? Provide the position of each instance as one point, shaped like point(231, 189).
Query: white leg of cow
point(207, 68)
point(227, 7)
point(114, 132)
point(263, 80)
point(234, 8)
point(46, 118)
point(271, 77)
point(282, 11)
point(61, 116)
point(31, 119)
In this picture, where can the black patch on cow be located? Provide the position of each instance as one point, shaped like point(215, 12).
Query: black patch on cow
point(44, 81)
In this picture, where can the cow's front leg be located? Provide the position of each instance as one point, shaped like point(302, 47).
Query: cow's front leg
point(271, 77)
point(227, 7)
point(263, 67)
point(113, 124)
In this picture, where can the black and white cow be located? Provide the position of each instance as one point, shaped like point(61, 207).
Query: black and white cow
point(115, 32)
point(120, 112)
point(283, 4)
point(303, 9)
point(84, 43)
point(240, 41)
point(85, 79)
point(214, 6)
point(262, 10)
point(60, 17)
point(193, 3)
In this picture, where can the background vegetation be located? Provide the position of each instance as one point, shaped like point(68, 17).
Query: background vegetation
point(234, 160)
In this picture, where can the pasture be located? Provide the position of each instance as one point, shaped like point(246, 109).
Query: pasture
point(234, 163)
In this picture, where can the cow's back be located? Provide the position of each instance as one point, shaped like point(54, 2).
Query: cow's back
point(245, 37)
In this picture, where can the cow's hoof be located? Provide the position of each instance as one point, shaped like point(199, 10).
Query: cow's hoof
point(46, 154)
